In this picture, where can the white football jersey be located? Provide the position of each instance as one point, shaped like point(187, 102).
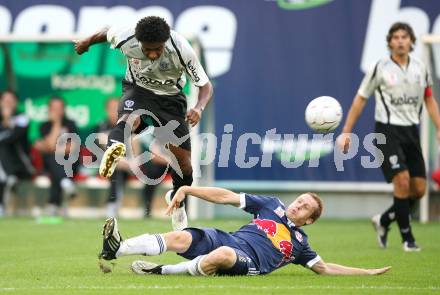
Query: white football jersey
point(165, 75)
point(399, 91)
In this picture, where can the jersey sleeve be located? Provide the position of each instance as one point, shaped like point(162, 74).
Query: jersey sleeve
point(308, 257)
point(369, 83)
point(190, 60)
point(253, 204)
point(118, 36)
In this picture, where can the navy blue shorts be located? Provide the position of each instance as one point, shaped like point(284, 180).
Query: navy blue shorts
point(206, 240)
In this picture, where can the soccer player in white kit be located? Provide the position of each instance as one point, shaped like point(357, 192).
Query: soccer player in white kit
point(401, 83)
point(158, 60)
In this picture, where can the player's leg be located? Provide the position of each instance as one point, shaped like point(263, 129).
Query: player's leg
point(401, 206)
point(207, 254)
point(392, 165)
point(115, 149)
point(417, 184)
point(152, 170)
point(417, 187)
point(179, 144)
point(183, 156)
point(147, 244)
point(190, 243)
point(117, 182)
point(224, 260)
point(417, 170)
point(131, 100)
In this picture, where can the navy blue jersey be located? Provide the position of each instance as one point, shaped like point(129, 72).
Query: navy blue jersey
point(271, 239)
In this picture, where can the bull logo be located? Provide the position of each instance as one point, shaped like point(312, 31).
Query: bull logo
point(278, 234)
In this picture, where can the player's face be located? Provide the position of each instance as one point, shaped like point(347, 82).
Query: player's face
point(152, 50)
point(8, 101)
point(56, 109)
point(400, 43)
point(300, 210)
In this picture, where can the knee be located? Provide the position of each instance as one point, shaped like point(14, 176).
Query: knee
point(401, 182)
point(178, 241)
point(223, 257)
point(419, 191)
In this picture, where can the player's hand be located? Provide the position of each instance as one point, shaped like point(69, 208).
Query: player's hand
point(379, 271)
point(193, 116)
point(178, 198)
point(343, 142)
point(81, 46)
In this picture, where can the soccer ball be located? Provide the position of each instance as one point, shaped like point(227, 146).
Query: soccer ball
point(323, 114)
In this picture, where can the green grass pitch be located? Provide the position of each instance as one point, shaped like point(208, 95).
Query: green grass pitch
point(62, 259)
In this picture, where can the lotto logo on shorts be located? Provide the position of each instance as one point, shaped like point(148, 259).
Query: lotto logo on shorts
point(394, 162)
point(128, 105)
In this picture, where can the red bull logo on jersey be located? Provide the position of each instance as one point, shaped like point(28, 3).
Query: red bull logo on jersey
point(278, 234)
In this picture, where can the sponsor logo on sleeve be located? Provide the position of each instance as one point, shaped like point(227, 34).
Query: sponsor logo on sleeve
point(193, 71)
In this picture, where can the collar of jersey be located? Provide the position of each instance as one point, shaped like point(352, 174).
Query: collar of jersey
point(290, 223)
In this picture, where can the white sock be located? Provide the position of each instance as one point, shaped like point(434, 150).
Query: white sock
point(194, 266)
point(146, 244)
point(112, 209)
point(176, 268)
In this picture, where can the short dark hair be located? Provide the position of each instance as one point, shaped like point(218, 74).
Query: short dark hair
point(401, 26)
point(152, 29)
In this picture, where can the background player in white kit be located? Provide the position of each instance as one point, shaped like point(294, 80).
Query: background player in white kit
point(401, 84)
point(157, 60)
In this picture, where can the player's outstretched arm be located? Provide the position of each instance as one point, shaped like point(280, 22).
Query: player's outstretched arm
point(210, 194)
point(355, 111)
point(83, 45)
point(323, 268)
